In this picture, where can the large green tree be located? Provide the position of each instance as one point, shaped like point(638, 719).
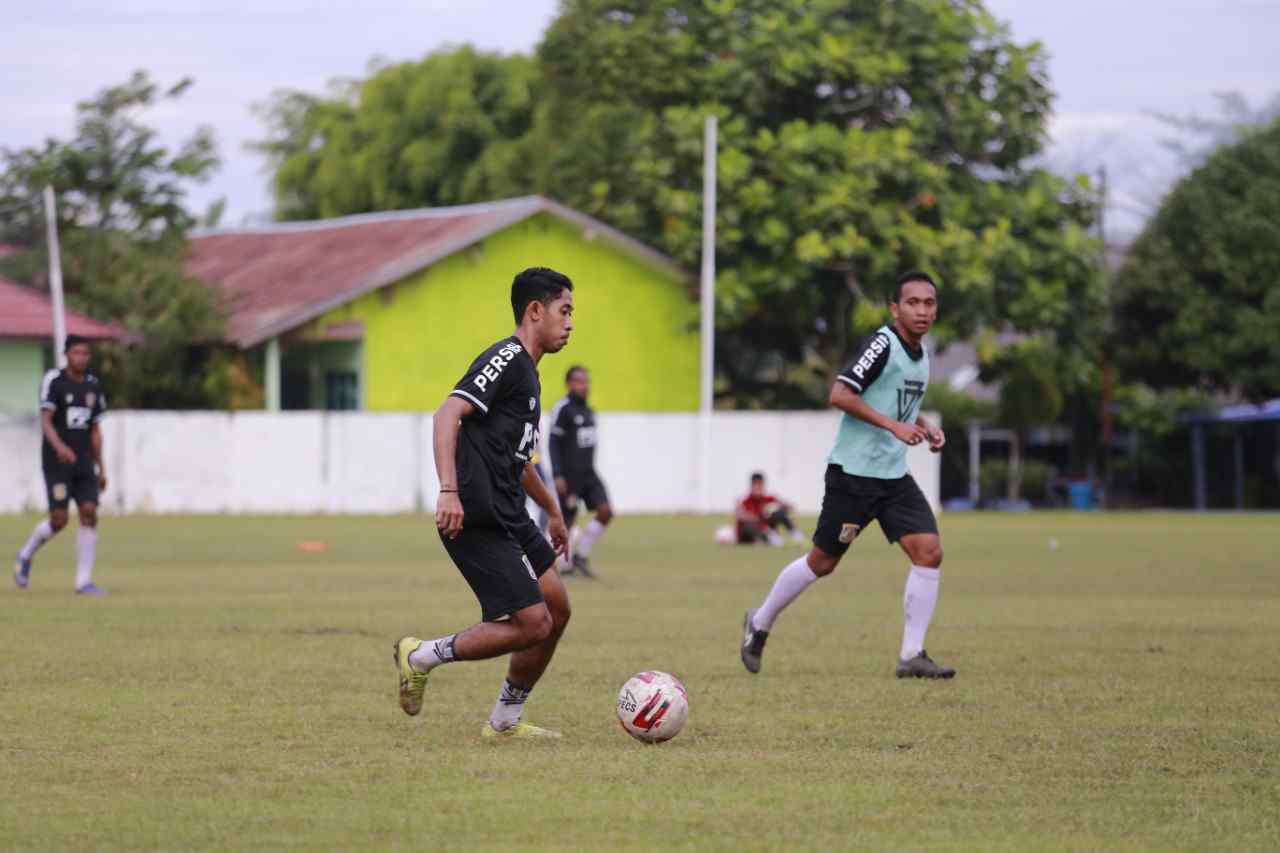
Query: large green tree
point(122, 222)
point(1197, 302)
point(857, 139)
point(441, 131)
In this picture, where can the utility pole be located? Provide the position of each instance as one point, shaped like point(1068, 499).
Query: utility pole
point(1108, 376)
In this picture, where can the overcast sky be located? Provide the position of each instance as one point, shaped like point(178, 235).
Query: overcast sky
point(1110, 64)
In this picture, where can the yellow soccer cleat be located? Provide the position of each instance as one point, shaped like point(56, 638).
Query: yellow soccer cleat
point(519, 730)
point(412, 682)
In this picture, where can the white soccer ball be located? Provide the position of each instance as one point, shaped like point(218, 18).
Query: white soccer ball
point(726, 535)
point(653, 706)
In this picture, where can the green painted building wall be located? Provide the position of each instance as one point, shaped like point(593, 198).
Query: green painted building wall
point(21, 368)
point(636, 327)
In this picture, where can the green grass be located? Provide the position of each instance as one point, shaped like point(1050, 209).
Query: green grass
point(1120, 692)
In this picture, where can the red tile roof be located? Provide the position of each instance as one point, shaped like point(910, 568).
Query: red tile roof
point(27, 313)
point(276, 277)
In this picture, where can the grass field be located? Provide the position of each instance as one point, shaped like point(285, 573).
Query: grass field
point(1118, 692)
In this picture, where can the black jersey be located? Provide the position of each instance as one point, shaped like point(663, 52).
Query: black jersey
point(498, 440)
point(76, 407)
point(573, 438)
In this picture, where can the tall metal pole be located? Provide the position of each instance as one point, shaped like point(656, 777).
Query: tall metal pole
point(708, 330)
point(55, 277)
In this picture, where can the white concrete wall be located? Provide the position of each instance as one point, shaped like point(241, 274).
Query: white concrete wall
point(259, 462)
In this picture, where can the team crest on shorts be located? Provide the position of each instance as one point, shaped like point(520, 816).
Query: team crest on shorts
point(533, 403)
point(59, 491)
point(848, 532)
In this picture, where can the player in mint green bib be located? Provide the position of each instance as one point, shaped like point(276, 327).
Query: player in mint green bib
point(867, 479)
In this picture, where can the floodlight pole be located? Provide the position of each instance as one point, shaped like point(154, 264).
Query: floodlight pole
point(55, 278)
point(708, 329)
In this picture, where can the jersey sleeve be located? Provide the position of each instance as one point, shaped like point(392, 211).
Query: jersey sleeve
point(483, 383)
point(49, 394)
point(873, 355)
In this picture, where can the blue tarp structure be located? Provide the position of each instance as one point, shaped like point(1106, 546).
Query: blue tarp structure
point(1244, 413)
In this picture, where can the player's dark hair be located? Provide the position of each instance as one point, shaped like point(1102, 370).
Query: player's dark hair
point(572, 370)
point(73, 340)
point(537, 284)
point(757, 476)
point(909, 277)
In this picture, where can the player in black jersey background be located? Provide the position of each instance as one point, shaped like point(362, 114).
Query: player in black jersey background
point(572, 444)
point(485, 434)
point(71, 407)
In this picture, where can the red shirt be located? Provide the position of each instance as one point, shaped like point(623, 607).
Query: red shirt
point(755, 507)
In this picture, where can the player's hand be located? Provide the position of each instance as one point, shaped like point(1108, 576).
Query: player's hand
point(937, 438)
point(449, 514)
point(911, 434)
point(102, 481)
point(562, 487)
point(559, 536)
point(65, 454)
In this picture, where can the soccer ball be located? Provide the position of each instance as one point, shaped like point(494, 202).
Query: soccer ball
point(653, 706)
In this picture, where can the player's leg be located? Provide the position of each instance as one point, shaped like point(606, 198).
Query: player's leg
point(908, 520)
point(845, 511)
point(527, 665)
point(596, 497)
point(780, 520)
point(57, 488)
point(512, 609)
point(87, 549)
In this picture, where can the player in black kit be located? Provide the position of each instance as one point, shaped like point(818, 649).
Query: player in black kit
point(573, 464)
point(485, 435)
point(71, 406)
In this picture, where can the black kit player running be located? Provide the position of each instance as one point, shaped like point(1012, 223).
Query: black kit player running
point(573, 464)
point(484, 437)
point(77, 406)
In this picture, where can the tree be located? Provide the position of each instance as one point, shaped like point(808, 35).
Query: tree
point(857, 139)
point(1197, 302)
point(441, 131)
point(122, 222)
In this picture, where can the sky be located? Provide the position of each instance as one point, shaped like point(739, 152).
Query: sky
point(1111, 65)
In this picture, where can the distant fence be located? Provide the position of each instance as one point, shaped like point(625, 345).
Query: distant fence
point(363, 462)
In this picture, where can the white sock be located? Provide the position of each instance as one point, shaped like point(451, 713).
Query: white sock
point(918, 601)
point(432, 654)
point(86, 553)
point(792, 581)
point(510, 705)
point(42, 534)
point(588, 538)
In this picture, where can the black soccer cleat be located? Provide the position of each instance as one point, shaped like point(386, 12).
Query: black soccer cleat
point(752, 643)
point(922, 666)
point(582, 566)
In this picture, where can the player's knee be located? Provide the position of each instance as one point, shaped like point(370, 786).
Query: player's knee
point(538, 627)
point(604, 514)
point(58, 519)
point(89, 516)
point(929, 554)
point(821, 563)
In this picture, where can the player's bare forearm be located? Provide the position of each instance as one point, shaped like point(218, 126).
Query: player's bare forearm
point(95, 439)
point(46, 426)
point(536, 489)
point(846, 400)
point(446, 424)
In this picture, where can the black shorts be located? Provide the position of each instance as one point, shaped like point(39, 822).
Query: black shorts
point(502, 564)
point(588, 490)
point(65, 483)
point(851, 503)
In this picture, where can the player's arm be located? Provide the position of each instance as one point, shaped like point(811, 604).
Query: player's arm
point(95, 440)
point(536, 489)
point(936, 437)
point(65, 454)
point(446, 424)
point(556, 445)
